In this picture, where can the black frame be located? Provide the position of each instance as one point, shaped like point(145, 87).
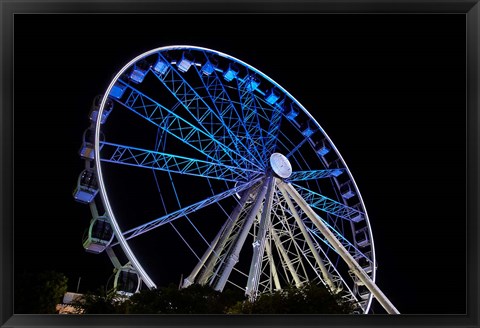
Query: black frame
point(470, 7)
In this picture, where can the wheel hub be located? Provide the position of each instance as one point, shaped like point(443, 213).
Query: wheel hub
point(281, 165)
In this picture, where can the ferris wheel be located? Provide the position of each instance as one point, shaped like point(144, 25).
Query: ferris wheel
point(225, 148)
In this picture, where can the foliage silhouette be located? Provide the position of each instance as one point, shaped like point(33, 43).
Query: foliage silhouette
point(309, 299)
point(39, 293)
point(198, 299)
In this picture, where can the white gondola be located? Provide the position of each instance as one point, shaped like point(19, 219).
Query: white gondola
point(127, 282)
point(96, 107)
point(361, 237)
point(363, 292)
point(87, 150)
point(87, 187)
point(98, 235)
point(185, 62)
point(362, 260)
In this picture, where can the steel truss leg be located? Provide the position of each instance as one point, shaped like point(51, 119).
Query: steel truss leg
point(259, 243)
point(273, 269)
point(285, 257)
point(232, 258)
point(326, 275)
point(208, 260)
point(347, 257)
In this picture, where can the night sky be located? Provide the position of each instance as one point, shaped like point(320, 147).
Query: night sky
point(389, 90)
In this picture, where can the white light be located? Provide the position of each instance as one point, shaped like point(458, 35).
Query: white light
point(280, 165)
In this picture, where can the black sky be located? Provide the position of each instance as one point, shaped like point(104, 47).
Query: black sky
point(389, 90)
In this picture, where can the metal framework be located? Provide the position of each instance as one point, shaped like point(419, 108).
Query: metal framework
point(290, 211)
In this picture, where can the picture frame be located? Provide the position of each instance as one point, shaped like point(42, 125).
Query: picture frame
point(470, 8)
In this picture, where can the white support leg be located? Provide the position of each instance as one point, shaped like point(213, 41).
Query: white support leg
point(286, 258)
point(347, 257)
point(221, 236)
point(232, 258)
point(326, 275)
point(273, 269)
point(259, 243)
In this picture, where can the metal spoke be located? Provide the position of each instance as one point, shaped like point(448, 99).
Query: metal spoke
point(251, 116)
point(142, 158)
point(227, 111)
point(178, 127)
point(330, 206)
point(203, 114)
point(315, 174)
point(186, 210)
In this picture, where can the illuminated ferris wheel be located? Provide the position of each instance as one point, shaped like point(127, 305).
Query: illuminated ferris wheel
point(226, 148)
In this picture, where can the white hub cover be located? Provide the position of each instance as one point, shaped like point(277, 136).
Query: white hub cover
point(280, 165)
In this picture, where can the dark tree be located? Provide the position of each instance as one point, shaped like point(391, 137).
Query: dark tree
point(198, 299)
point(309, 299)
point(195, 299)
point(39, 293)
point(102, 302)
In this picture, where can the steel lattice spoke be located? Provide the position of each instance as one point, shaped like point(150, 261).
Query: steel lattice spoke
point(186, 210)
point(315, 174)
point(203, 114)
point(251, 116)
point(273, 129)
point(227, 110)
point(120, 154)
point(330, 206)
point(177, 126)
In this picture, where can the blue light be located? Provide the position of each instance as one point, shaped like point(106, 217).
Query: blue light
point(347, 191)
point(231, 73)
point(272, 96)
point(323, 150)
point(292, 113)
point(348, 194)
point(117, 91)
point(308, 131)
point(161, 66)
point(337, 172)
point(208, 68)
point(252, 83)
point(185, 63)
point(138, 75)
